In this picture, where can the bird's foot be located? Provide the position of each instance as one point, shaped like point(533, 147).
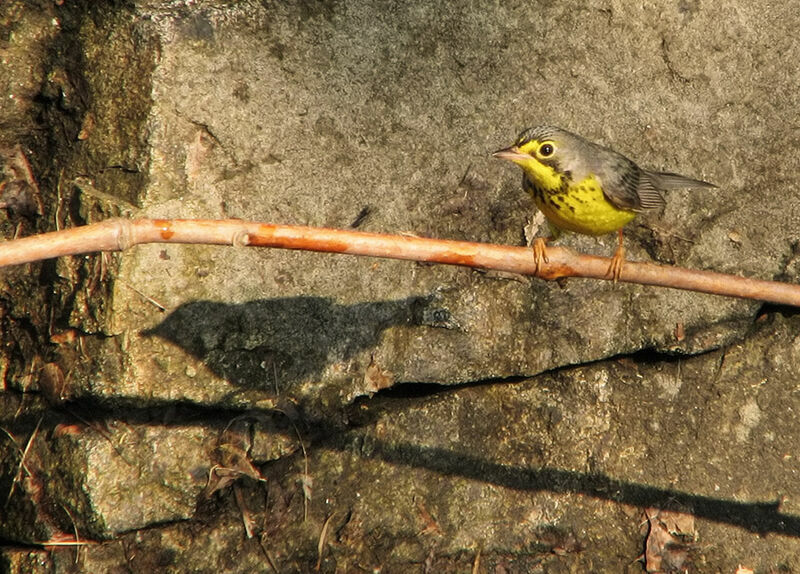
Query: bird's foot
point(540, 253)
point(617, 261)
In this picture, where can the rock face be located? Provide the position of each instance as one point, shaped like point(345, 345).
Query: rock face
point(259, 410)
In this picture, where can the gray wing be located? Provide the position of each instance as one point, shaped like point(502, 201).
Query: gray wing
point(624, 183)
point(628, 186)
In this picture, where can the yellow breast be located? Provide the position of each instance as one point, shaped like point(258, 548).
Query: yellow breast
point(580, 207)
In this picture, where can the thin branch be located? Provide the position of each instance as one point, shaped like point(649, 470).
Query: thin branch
point(121, 234)
point(21, 467)
point(321, 544)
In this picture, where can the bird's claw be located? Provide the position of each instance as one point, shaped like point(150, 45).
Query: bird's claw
point(617, 262)
point(539, 253)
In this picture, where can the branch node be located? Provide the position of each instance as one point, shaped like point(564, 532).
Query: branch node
point(124, 234)
point(240, 239)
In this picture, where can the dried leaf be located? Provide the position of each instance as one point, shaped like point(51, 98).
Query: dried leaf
point(87, 127)
point(234, 454)
point(53, 384)
point(678, 523)
point(376, 378)
point(680, 331)
point(431, 526)
point(218, 479)
point(247, 517)
point(19, 190)
point(669, 541)
point(307, 483)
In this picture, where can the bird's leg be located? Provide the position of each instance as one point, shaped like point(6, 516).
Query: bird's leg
point(618, 260)
point(539, 246)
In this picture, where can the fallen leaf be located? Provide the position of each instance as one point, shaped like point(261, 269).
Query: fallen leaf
point(376, 378)
point(669, 541)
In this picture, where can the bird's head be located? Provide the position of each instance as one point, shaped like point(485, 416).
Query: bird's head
point(540, 152)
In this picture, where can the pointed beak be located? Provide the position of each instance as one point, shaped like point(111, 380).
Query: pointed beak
point(511, 154)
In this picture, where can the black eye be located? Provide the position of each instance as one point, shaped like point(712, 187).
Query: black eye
point(546, 150)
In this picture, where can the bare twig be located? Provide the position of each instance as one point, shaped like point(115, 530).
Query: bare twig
point(476, 564)
point(21, 462)
point(306, 481)
point(75, 530)
point(144, 296)
point(321, 544)
point(267, 555)
point(247, 516)
point(52, 542)
point(22, 467)
point(120, 234)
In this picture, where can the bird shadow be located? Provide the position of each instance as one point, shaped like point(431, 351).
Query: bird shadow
point(297, 336)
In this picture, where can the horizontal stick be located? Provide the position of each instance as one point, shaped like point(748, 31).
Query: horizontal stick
point(121, 234)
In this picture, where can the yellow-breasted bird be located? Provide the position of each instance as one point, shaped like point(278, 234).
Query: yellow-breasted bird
point(584, 187)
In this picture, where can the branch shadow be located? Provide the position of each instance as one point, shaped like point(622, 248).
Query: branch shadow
point(758, 517)
point(302, 335)
point(333, 435)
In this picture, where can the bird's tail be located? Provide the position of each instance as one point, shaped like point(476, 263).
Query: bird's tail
point(666, 180)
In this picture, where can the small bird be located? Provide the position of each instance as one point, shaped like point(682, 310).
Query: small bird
point(584, 187)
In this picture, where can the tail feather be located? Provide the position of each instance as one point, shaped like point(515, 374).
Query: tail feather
point(666, 180)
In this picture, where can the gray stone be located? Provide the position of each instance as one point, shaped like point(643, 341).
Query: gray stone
point(384, 116)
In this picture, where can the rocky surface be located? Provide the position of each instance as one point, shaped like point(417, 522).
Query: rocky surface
point(191, 408)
